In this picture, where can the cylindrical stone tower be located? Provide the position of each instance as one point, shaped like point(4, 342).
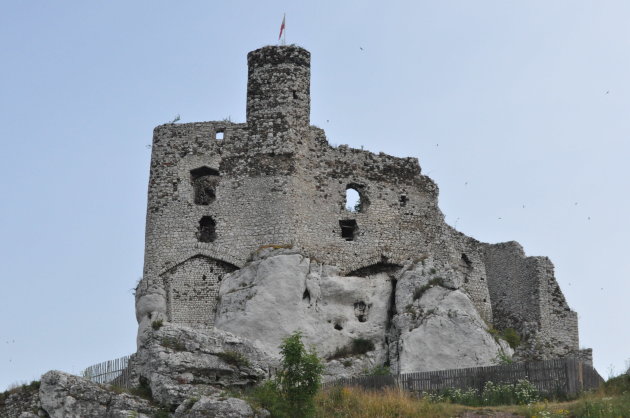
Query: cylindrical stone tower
point(278, 90)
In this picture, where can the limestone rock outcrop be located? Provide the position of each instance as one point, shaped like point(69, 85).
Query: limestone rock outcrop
point(178, 363)
point(66, 396)
point(416, 317)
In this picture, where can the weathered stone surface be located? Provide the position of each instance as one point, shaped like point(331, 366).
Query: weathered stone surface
point(65, 396)
point(274, 296)
point(21, 401)
point(437, 326)
point(179, 363)
point(216, 406)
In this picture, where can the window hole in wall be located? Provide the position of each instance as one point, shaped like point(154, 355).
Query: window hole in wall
point(338, 327)
point(207, 230)
point(403, 200)
point(204, 181)
point(356, 201)
point(203, 277)
point(295, 96)
point(306, 296)
point(348, 229)
point(466, 260)
point(219, 134)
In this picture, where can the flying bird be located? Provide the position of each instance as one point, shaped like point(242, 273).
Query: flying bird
point(607, 91)
point(361, 48)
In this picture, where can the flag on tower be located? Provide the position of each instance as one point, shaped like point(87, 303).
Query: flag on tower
point(282, 27)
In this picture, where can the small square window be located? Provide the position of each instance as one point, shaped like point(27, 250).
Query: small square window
point(348, 229)
point(219, 135)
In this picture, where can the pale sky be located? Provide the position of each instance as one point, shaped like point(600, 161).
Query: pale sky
point(517, 109)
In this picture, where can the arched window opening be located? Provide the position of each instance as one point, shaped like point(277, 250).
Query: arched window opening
point(204, 181)
point(207, 230)
point(355, 198)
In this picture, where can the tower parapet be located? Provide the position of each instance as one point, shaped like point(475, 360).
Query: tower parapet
point(278, 91)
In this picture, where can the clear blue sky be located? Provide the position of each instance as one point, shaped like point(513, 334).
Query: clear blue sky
point(506, 104)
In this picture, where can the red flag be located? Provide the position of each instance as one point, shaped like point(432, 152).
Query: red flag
point(281, 27)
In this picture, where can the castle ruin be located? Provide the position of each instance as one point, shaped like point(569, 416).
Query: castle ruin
point(220, 191)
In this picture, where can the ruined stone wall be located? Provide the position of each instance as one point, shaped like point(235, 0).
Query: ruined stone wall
point(525, 296)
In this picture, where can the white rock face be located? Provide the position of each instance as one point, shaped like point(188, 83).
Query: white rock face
point(275, 296)
point(438, 328)
point(450, 335)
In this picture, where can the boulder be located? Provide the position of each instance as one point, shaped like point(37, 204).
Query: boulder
point(179, 362)
point(66, 396)
point(216, 406)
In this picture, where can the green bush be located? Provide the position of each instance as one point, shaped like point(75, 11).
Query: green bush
point(157, 324)
point(379, 370)
point(173, 343)
point(292, 392)
point(511, 337)
point(234, 358)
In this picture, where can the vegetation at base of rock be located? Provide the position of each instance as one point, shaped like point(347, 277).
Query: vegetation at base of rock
point(509, 335)
point(157, 324)
point(173, 343)
point(419, 291)
point(354, 402)
point(357, 347)
point(234, 358)
point(379, 370)
point(519, 393)
point(291, 393)
point(17, 388)
point(611, 400)
point(143, 390)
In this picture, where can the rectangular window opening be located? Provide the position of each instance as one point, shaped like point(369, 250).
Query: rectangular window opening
point(348, 229)
point(219, 134)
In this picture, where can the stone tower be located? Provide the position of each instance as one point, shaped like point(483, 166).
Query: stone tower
point(220, 191)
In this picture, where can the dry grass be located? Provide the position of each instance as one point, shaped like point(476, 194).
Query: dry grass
point(354, 402)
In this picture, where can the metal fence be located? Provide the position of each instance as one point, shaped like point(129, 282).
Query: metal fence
point(558, 376)
point(112, 372)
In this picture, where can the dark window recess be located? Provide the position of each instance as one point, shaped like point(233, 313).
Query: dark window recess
point(295, 96)
point(403, 200)
point(466, 260)
point(306, 296)
point(348, 229)
point(204, 182)
point(360, 311)
point(207, 230)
